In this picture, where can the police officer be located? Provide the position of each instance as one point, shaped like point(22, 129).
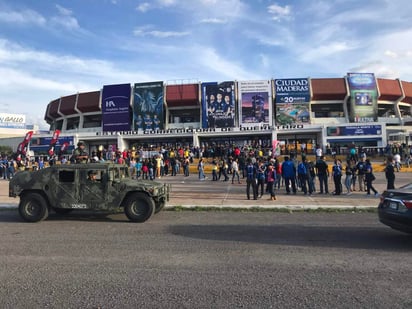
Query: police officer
point(80, 155)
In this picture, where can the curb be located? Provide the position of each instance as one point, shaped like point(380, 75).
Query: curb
point(266, 207)
point(9, 206)
point(244, 207)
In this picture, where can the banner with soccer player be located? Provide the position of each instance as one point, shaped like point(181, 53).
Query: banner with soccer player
point(148, 106)
point(218, 105)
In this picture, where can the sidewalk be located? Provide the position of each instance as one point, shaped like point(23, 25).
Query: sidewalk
point(189, 192)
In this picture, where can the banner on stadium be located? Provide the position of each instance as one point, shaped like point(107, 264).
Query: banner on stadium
point(292, 101)
point(218, 105)
point(116, 107)
point(276, 147)
point(363, 97)
point(354, 130)
point(12, 121)
point(255, 101)
point(148, 106)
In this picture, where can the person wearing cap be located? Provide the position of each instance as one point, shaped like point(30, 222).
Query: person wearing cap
point(91, 176)
point(80, 155)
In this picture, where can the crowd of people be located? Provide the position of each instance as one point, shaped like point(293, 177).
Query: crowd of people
point(263, 172)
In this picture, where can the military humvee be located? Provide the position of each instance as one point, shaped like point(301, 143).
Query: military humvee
point(66, 187)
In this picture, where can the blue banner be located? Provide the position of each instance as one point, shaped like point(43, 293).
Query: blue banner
point(116, 107)
point(292, 90)
point(354, 130)
point(292, 101)
point(46, 140)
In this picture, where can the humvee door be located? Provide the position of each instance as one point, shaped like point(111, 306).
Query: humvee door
point(93, 192)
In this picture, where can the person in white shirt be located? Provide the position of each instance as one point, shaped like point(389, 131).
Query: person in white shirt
point(319, 152)
point(235, 170)
point(397, 160)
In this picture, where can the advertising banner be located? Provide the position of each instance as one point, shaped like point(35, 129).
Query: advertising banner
point(354, 130)
point(148, 106)
point(116, 107)
point(14, 121)
point(218, 105)
point(292, 101)
point(255, 101)
point(53, 142)
point(60, 145)
point(363, 97)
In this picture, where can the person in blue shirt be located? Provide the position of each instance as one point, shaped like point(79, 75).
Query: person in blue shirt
point(251, 181)
point(156, 122)
point(337, 176)
point(289, 174)
point(303, 176)
point(148, 122)
point(369, 178)
point(138, 167)
point(139, 122)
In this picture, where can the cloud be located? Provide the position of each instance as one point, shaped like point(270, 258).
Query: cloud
point(209, 59)
point(167, 2)
point(39, 77)
point(64, 11)
point(391, 54)
point(145, 31)
point(213, 21)
point(25, 17)
point(279, 12)
point(65, 19)
point(143, 7)
point(159, 4)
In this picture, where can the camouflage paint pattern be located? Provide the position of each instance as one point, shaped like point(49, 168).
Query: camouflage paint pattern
point(67, 186)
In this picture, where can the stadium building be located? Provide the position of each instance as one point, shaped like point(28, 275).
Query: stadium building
point(296, 113)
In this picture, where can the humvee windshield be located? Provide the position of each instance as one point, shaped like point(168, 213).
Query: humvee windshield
point(118, 173)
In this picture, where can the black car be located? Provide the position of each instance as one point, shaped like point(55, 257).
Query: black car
point(395, 208)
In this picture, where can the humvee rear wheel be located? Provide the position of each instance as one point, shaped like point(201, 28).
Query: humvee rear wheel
point(33, 207)
point(139, 207)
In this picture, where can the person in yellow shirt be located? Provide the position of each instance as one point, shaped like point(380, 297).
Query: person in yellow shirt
point(158, 165)
point(214, 171)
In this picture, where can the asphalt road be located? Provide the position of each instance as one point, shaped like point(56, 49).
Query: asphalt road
point(196, 259)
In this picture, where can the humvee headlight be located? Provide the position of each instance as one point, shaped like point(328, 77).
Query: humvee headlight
point(154, 191)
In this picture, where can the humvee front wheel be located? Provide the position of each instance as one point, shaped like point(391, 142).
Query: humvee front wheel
point(139, 207)
point(33, 207)
point(160, 206)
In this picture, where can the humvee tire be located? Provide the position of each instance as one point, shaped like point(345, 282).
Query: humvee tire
point(139, 207)
point(33, 207)
point(159, 206)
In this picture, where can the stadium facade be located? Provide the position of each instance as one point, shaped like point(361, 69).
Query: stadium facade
point(356, 109)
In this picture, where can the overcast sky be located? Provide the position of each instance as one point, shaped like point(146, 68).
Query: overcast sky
point(56, 48)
